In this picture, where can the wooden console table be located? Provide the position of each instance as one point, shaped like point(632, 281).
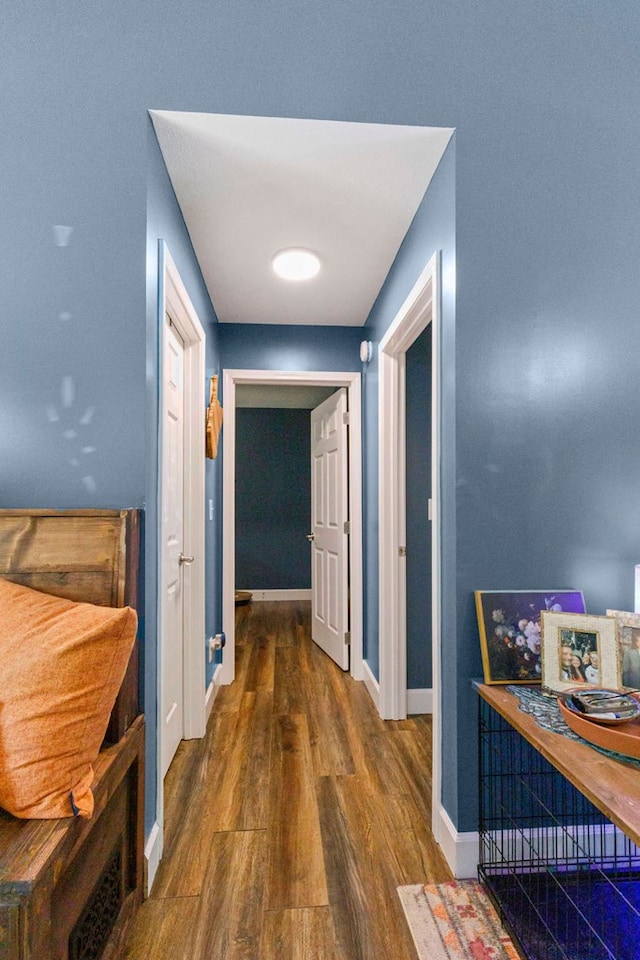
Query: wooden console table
point(559, 837)
point(611, 786)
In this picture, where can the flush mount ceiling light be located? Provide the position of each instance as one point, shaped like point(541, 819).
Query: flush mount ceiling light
point(296, 263)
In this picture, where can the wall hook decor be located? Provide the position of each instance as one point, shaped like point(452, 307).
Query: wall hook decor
point(213, 420)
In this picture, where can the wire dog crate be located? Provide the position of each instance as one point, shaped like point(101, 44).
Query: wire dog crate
point(565, 880)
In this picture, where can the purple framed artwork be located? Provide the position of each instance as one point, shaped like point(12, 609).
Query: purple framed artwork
point(510, 630)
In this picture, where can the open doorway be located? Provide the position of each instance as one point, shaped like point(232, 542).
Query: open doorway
point(419, 563)
point(350, 382)
point(420, 309)
point(273, 492)
point(292, 504)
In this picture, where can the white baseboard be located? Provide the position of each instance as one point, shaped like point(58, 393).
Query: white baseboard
point(212, 691)
point(152, 857)
point(562, 845)
point(280, 594)
point(372, 685)
point(461, 850)
point(549, 845)
point(420, 700)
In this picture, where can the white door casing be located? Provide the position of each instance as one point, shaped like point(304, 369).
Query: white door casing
point(329, 515)
point(421, 307)
point(351, 382)
point(171, 692)
point(174, 300)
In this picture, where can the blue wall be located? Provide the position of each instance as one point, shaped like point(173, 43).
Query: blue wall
point(254, 346)
point(540, 458)
point(418, 405)
point(432, 229)
point(273, 499)
point(164, 222)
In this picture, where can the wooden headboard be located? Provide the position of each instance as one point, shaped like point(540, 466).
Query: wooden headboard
point(85, 555)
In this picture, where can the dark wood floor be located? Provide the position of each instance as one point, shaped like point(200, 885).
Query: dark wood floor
point(289, 827)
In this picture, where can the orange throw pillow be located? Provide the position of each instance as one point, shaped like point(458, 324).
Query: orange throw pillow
point(61, 666)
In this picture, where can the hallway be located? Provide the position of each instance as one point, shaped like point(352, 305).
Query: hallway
point(289, 826)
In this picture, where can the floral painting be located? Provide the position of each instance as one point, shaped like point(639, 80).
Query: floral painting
point(510, 630)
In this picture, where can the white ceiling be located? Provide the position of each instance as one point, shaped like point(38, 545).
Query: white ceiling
point(250, 186)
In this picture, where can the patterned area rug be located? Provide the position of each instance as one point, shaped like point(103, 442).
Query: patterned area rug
point(455, 921)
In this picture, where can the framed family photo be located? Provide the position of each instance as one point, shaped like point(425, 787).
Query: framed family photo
point(510, 630)
point(628, 639)
point(578, 649)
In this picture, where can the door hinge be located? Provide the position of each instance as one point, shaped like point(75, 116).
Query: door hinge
point(402, 551)
point(347, 638)
point(347, 527)
point(346, 419)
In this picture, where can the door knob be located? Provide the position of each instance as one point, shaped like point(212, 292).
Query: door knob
point(311, 536)
point(184, 559)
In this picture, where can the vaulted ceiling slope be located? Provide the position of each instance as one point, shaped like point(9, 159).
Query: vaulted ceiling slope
point(251, 186)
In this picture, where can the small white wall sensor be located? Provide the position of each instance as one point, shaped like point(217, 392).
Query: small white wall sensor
point(366, 351)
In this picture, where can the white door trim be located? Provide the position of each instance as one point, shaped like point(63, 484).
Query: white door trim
point(174, 300)
point(421, 307)
point(351, 381)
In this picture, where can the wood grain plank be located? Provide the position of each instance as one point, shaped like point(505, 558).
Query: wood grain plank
point(302, 934)
point(260, 669)
point(289, 694)
point(356, 933)
point(236, 768)
point(394, 833)
point(163, 929)
point(365, 822)
point(375, 759)
point(296, 875)
point(228, 791)
point(412, 749)
point(229, 697)
point(285, 622)
point(325, 703)
point(196, 812)
point(279, 621)
point(184, 863)
point(410, 849)
point(229, 920)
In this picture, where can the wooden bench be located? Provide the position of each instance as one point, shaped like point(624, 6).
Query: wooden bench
point(69, 888)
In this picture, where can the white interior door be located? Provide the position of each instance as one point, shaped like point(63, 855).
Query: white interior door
point(172, 667)
point(329, 538)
